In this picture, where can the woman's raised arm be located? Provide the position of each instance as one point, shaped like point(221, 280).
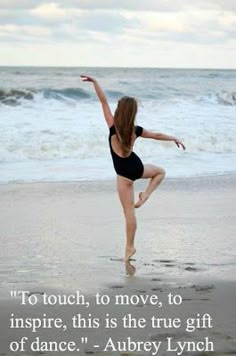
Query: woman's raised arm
point(103, 100)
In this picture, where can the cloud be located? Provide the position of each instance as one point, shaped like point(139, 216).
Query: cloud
point(105, 21)
point(162, 22)
point(133, 5)
point(149, 5)
point(17, 4)
point(129, 28)
point(201, 25)
point(69, 23)
point(27, 33)
point(189, 26)
point(97, 20)
point(50, 11)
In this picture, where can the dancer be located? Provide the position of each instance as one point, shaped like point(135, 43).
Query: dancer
point(128, 166)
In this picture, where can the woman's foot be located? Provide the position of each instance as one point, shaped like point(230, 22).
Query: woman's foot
point(142, 198)
point(129, 253)
point(130, 269)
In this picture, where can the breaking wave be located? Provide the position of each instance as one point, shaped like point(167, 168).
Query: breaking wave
point(228, 98)
point(16, 96)
point(223, 98)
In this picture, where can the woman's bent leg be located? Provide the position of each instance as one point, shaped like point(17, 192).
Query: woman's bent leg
point(126, 195)
point(156, 175)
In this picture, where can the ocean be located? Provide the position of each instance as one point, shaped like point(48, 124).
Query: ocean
point(52, 127)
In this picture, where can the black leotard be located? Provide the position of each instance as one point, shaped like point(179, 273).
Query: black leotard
point(130, 167)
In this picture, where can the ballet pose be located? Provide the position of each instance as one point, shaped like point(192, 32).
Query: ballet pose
point(128, 166)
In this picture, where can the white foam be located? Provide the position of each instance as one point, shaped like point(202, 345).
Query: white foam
point(53, 139)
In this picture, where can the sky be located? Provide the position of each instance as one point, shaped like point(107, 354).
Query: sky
point(118, 33)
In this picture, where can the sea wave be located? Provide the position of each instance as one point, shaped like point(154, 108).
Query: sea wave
point(114, 94)
point(223, 98)
point(16, 96)
point(228, 98)
point(49, 144)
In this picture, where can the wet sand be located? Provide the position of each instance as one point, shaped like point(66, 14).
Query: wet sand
point(63, 237)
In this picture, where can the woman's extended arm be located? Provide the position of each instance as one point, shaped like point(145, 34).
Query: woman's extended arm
point(102, 97)
point(162, 137)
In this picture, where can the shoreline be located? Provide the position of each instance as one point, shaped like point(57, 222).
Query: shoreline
point(203, 179)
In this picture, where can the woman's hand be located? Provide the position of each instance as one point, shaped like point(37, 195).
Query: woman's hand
point(178, 143)
point(86, 78)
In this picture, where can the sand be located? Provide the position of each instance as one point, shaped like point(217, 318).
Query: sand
point(63, 237)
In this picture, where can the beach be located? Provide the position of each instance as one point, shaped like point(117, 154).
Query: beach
point(61, 237)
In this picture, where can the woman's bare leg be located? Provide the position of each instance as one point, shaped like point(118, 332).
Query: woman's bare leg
point(156, 175)
point(126, 195)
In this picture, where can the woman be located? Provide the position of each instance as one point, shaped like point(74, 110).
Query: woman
point(127, 164)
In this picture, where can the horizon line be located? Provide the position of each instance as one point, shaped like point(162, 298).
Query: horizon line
point(113, 67)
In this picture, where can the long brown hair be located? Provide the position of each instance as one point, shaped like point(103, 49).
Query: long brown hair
point(124, 119)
